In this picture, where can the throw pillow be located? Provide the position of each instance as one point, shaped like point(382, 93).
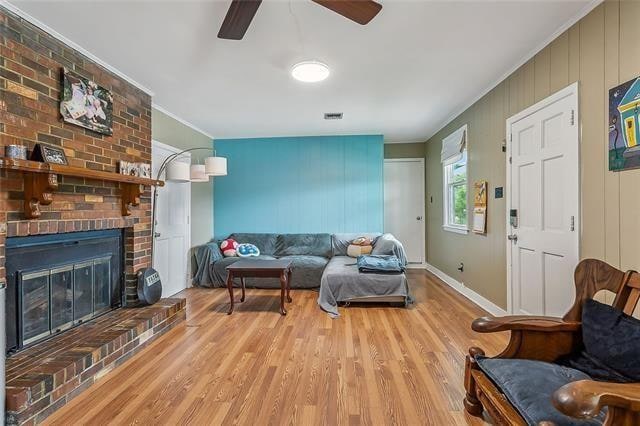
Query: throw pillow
point(355, 250)
point(229, 247)
point(611, 341)
point(360, 246)
point(247, 250)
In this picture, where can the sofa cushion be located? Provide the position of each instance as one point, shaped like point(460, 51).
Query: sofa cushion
point(220, 267)
point(306, 271)
point(529, 386)
point(303, 244)
point(266, 243)
point(340, 242)
point(611, 342)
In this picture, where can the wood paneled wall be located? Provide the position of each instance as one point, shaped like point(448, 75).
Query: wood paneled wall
point(600, 51)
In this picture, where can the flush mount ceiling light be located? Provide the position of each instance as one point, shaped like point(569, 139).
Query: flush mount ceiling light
point(310, 71)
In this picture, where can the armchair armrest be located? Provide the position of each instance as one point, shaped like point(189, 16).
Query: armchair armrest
point(523, 322)
point(586, 398)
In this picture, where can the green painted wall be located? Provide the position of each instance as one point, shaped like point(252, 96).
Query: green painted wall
point(404, 150)
point(600, 52)
point(170, 131)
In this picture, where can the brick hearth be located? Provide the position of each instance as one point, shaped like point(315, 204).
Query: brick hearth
point(43, 378)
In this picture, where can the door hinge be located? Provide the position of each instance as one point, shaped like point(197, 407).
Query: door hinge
point(510, 137)
point(509, 160)
point(573, 117)
point(572, 224)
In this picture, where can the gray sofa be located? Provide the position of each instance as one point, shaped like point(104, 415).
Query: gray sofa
point(319, 260)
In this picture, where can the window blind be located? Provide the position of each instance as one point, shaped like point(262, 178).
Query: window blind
point(453, 146)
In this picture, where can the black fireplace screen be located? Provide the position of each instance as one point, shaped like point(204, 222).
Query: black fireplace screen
point(57, 282)
point(54, 300)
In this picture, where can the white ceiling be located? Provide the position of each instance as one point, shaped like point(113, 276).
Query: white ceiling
point(404, 75)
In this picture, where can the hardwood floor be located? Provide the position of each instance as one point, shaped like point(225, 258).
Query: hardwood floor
point(374, 365)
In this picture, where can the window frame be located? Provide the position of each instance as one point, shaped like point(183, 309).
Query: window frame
point(448, 187)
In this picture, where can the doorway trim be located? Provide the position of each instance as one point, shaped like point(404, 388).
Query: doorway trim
point(171, 148)
point(423, 204)
point(571, 90)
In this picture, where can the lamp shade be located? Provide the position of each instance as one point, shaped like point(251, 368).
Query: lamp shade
point(177, 171)
point(215, 166)
point(198, 174)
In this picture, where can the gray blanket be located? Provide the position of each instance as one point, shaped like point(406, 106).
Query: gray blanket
point(206, 255)
point(342, 281)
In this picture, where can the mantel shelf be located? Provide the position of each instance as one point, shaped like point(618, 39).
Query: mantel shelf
point(41, 181)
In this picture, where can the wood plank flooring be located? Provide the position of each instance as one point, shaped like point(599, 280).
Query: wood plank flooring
point(375, 365)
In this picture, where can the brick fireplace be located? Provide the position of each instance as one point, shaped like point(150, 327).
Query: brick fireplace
point(31, 63)
point(43, 377)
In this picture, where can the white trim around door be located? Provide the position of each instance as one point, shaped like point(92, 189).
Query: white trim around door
point(420, 215)
point(187, 211)
point(570, 96)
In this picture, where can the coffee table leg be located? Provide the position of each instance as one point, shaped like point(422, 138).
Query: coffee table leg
point(230, 288)
point(283, 288)
point(242, 282)
point(289, 286)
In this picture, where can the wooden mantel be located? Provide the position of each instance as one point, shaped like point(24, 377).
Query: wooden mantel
point(41, 182)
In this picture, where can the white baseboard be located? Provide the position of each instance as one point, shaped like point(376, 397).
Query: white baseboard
point(479, 300)
point(416, 265)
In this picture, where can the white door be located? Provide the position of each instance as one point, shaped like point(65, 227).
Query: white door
point(172, 241)
point(544, 191)
point(404, 204)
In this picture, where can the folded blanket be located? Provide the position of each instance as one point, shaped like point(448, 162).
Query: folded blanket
point(380, 263)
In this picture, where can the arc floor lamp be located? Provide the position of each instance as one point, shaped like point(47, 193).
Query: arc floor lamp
point(179, 171)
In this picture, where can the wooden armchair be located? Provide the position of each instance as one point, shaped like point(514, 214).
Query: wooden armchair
point(548, 339)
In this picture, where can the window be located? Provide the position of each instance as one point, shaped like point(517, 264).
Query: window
point(454, 163)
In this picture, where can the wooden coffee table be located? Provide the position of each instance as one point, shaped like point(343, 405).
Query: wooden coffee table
point(260, 269)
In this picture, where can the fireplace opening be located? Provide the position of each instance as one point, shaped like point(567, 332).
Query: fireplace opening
point(56, 282)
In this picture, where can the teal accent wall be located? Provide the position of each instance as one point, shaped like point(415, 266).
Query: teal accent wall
point(300, 184)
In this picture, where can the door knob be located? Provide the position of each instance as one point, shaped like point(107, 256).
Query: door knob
point(512, 237)
point(419, 218)
point(157, 234)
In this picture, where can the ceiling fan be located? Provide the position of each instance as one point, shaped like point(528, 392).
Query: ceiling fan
point(241, 12)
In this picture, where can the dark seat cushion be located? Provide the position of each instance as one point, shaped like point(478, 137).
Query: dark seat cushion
point(529, 386)
point(611, 342)
point(266, 243)
point(303, 244)
point(306, 271)
point(220, 268)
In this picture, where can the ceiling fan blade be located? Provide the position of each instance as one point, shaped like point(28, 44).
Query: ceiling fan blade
point(239, 16)
point(360, 11)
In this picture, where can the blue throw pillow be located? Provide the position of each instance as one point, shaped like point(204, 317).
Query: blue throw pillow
point(247, 250)
point(611, 343)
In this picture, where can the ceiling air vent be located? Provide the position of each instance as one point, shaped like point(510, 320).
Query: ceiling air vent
point(333, 116)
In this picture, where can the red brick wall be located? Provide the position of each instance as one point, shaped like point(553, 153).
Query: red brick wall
point(31, 63)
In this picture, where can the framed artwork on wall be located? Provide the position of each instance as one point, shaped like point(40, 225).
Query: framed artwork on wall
point(86, 104)
point(624, 126)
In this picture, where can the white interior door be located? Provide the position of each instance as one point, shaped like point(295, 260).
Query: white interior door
point(172, 241)
point(404, 204)
point(544, 191)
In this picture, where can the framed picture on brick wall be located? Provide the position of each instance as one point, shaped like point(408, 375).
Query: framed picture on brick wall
point(86, 104)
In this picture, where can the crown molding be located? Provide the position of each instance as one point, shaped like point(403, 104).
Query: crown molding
point(181, 120)
point(24, 15)
point(564, 27)
point(404, 142)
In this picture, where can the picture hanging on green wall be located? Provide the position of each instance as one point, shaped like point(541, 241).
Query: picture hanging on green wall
point(624, 126)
